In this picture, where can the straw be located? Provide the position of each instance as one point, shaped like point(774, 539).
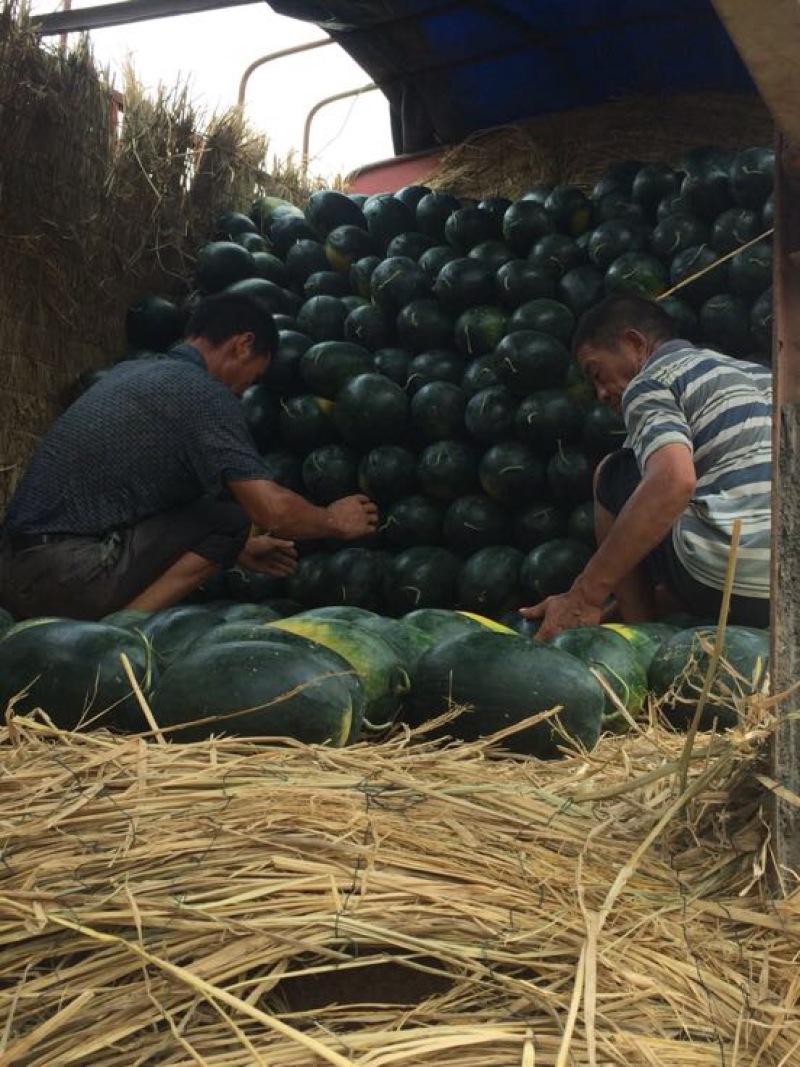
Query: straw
point(406, 902)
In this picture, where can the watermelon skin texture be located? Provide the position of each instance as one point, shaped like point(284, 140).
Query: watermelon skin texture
point(73, 671)
point(258, 688)
point(504, 678)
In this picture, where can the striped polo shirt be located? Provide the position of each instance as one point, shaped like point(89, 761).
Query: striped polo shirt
point(721, 409)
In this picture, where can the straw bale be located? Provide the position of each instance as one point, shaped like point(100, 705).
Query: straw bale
point(575, 147)
point(238, 902)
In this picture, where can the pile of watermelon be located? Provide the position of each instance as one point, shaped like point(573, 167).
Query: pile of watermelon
point(424, 359)
point(341, 674)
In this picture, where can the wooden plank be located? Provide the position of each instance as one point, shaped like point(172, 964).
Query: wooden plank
point(785, 621)
point(767, 36)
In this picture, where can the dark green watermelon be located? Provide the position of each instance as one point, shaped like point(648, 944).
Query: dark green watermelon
point(423, 324)
point(330, 472)
point(305, 423)
point(462, 284)
point(545, 316)
point(636, 272)
point(489, 415)
point(520, 281)
point(370, 327)
point(469, 226)
point(526, 360)
point(220, 264)
point(473, 522)
point(447, 470)
point(524, 223)
point(546, 417)
point(371, 410)
point(410, 244)
point(479, 330)
point(750, 272)
point(751, 176)
point(603, 429)
point(397, 281)
point(328, 365)
point(489, 580)
point(153, 322)
point(504, 680)
point(387, 216)
point(725, 324)
point(421, 577)
point(413, 520)
point(261, 410)
point(438, 365)
point(611, 239)
point(72, 671)
point(432, 213)
point(322, 318)
point(540, 521)
point(304, 258)
point(676, 232)
point(569, 476)
point(388, 473)
point(436, 413)
point(327, 209)
point(551, 568)
point(512, 473)
point(733, 228)
point(557, 254)
point(581, 288)
point(570, 209)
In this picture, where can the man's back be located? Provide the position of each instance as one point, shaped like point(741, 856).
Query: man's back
point(148, 437)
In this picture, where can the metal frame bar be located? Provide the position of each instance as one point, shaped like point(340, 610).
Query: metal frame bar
point(123, 12)
point(318, 107)
point(276, 55)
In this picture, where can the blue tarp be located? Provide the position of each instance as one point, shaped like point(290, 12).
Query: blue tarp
point(450, 69)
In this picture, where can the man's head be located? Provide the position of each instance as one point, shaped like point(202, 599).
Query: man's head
point(613, 340)
point(236, 335)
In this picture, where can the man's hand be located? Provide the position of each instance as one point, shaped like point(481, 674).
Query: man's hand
point(269, 555)
point(563, 612)
point(353, 517)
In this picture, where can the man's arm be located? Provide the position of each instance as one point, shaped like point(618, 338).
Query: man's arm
point(285, 514)
point(666, 488)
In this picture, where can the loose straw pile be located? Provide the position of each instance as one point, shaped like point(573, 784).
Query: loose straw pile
point(232, 903)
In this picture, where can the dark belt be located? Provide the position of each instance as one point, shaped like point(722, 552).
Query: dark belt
point(19, 542)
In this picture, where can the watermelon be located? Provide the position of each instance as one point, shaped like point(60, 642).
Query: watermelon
point(387, 473)
point(474, 522)
point(645, 638)
point(538, 522)
point(678, 669)
point(436, 413)
point(326, 367)
point(520, 281)
point(551, 568)
point(361, 273)
point(413, 520)
point(524, 223)
point(511, 473)
point(412, 194)
point(570, 209)
point(397, 281)
point(544, 316)
point(384, 681)
point(387, 216)
point(322, 318)
point(750, 272)
point(580, 524)
point(220, 264)
point(393, 363)
point(468, 226)
point(433, 259)
point(603, 430)
point(411, 244)
point(489, 580)
point(492, 254)
point(440, 624)
point(432, 213)
point(636, 272)
point(615, 661)
point(479, 374)
point(676, 232)
point(305, 257)
point(153, 322)
point(557, 254)
point(547, 417)
point(305, 423)
point(751, 176)
point(489, 415)
point(73, 671)
point(725, 324)
point(261, 409)
point(447, 470)
point(437, 365)
point(462, 284)
point(526, 360)
point(371, 410)
point(330, 472)
point(356, 577)
point(369, 327)
point(272, 269)
point(478, 330)
point(423, 324)
point(581, 288)
point(327, 209)
point(613, 238)
point(503, 680)
point(421, 577)
point(569, 476)
point(171, 632)
point(310, 584)
point(258, 688)
point(326, 283)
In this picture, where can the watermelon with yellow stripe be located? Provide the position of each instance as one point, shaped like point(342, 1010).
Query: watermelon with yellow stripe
point(615, 660)
point(646, 638)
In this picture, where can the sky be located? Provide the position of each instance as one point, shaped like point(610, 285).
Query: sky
point(211, 50)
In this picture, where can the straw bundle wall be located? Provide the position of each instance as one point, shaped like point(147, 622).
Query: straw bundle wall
point(575, 147)
point(98, 207)
point(232, 903)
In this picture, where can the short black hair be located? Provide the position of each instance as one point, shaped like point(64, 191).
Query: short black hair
point(604, 324)
point(223, 315)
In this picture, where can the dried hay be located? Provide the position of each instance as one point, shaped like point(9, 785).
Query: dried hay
point(236, 903)
point(575, 147)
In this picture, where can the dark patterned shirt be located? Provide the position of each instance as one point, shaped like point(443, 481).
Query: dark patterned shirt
point(149, 436)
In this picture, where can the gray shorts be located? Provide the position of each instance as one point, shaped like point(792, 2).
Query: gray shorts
point(89, 577)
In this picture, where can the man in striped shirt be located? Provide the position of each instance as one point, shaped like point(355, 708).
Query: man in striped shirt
point(697, 457)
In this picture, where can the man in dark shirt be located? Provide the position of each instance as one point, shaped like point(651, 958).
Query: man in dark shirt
point(150, 482)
